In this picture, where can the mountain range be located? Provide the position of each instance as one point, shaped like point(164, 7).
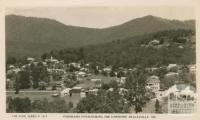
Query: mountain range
point(32, 36)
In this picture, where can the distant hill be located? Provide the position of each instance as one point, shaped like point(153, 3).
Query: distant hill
point(153, 49)
point(31, 36)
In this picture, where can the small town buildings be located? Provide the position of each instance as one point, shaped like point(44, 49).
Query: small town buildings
point(9, 83)
point(42, 83)
point(172, 67)
point(192, 68)
point(110, 89)
point(95, 80)
point(154, 69)
point(56, 71)
point(172, 74)
point(178, 88)
point(98, 84)
point(53, 60)
point(154, 42)
point(75, 65)
point(16, 70)
point(11, 67)
point(122, 91)
point(182, 40)
point(160, 94)
point(45, 64)
point(181, 99)
point(180, 46)
point(82, 94)
point(84, 69)
point(81, 74)
point(65, 92)
point(93, 91)
point(121, 80)
point(59, 85)
point(153, 83)
point(76, 89)
point(29, 59)
point(107, 69)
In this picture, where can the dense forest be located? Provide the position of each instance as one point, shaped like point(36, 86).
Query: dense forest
point(175, 46)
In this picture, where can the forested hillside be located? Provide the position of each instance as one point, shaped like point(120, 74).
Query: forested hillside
point(174, 46)
point(31, 36)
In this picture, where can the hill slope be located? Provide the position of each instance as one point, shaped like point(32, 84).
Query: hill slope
point(29, 36)
point(137, 50)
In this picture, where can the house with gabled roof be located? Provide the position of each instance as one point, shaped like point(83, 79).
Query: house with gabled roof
point(181, 99)
point(153, 83)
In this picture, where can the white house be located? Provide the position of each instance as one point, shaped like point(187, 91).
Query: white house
point(16, 70)
point(29, 59)
point(181, 99)
point(52, 60)
point(94, 80)
point(121, 80)
point(65, 92)
point(153, 83)
point(122, 91)
point(179, 89)
point(82, 94)
point(172, 66)
point(107, 69)
point(76, 65)
point(172, 74)
point(111, 89)
point(11, 66)
point(81, 74)
point(192, 68)
point(154, 42)
point(93, 91)
point(97, 82)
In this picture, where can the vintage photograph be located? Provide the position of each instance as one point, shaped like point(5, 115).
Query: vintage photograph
point(101, 59)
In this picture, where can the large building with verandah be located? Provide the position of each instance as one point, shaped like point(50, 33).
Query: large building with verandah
point(181, 99)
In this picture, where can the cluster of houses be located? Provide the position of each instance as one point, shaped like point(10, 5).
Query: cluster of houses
point(81, 72)
point(182, 99)
point(152, 83)
point(165, 42)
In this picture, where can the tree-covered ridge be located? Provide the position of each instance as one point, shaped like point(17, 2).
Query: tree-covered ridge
point(31, 36)
point(175, 46)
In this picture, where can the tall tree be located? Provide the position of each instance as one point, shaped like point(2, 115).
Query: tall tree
point(21, 105)
point(103, 102)
point(39, 73)
point(136, 95)
point(157, 106)
point(22, 81)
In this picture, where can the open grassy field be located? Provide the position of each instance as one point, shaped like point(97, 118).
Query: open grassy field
point(75, 98)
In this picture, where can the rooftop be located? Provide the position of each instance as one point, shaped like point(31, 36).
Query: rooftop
point(153, 79)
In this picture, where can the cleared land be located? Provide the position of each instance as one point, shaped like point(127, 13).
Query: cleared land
point(40, 95)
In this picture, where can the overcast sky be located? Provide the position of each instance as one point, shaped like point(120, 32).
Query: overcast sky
point(100, 17)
